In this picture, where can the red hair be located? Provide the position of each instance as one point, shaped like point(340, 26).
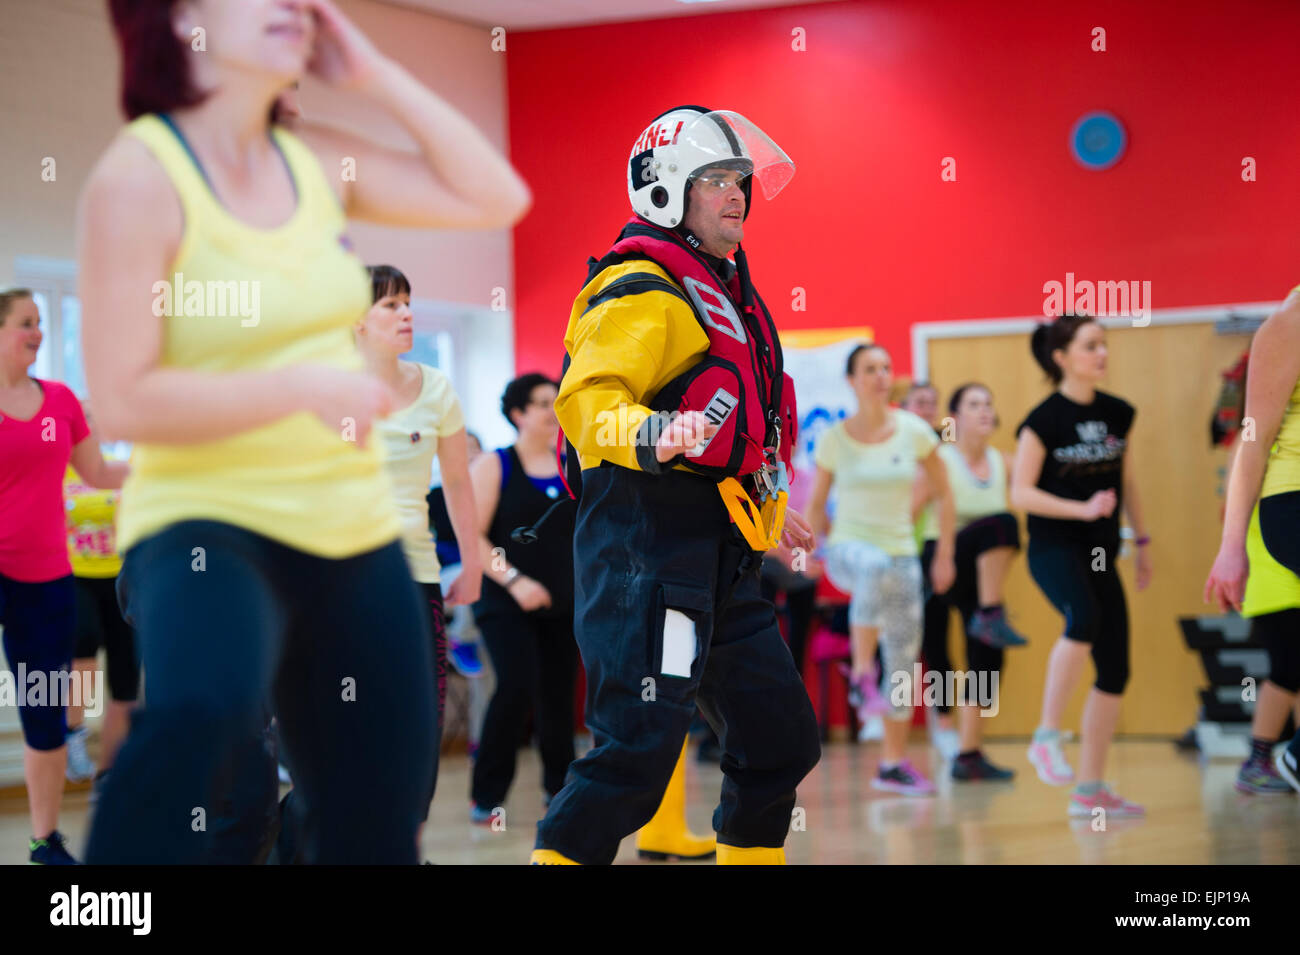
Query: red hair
point(155, 73)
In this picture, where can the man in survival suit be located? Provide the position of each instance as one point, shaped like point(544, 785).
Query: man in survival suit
point(683, 420)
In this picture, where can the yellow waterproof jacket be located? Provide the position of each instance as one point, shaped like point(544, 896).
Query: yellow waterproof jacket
point(621, 353)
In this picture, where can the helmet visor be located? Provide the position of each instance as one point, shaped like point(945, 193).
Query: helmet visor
point(740, 145)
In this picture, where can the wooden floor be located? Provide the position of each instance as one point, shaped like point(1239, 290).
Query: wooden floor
point(1194, 815)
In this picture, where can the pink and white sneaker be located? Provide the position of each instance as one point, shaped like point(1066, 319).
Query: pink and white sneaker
point(1049, 760)
point(1103, 798)
point(864, 695)
point(905, 779)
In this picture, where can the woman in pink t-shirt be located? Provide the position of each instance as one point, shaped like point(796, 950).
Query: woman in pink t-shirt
point(42, 428)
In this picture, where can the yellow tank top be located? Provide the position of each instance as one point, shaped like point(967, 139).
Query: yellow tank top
point(245, 299)
point(971, 498)
point(1283, 472)
point(92, 548)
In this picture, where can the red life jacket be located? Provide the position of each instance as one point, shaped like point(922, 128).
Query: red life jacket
point(740, 383)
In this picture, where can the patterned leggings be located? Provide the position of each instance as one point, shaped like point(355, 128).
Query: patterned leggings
point(886, 594)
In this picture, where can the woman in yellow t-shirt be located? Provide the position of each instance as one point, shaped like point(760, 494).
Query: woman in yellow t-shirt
point(260, 540)
point(872, 459)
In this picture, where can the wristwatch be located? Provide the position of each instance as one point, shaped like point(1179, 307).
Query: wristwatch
point(511, 576)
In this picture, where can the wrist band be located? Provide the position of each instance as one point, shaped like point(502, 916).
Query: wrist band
point(1143, 541)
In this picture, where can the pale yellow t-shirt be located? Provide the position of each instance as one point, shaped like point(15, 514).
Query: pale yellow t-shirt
point(409, 438)
point(873, 483)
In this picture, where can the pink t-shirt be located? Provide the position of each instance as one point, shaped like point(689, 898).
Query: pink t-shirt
point(33, 458)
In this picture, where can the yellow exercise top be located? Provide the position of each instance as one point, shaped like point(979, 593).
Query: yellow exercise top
point(239, 298)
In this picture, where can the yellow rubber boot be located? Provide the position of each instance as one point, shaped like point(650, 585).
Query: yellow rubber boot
point(733, 855)
point(549, 857)
point(665, 836)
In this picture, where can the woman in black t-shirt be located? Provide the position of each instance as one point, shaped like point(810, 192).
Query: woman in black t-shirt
point(1073, 471)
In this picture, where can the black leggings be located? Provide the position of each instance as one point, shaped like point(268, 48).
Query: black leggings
point(1280, 633)
point(535, 660)
point(1082, 583)
point(985, 534)
point(226, 619)
point(1279, 525)
point(100, 624)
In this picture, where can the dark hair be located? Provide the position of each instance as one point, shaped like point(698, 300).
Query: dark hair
point(520, 391)
point(1050, 336)
point(387, 280)
point(156, 75)
point(955, 401)
point(916, 386)
point(866, 346)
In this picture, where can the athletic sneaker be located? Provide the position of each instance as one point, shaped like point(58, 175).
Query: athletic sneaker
point(947, 742)
point(464, 659)
point(992, 629)
point(1261, 779)
point(979, 768)
point(479, 815)
point(872, 730)
point(1288, 767)
point(905, 779)
point(1049, 760)
point(1103, 798)
point(864, 695)
point(50, 851)
point(80, 766)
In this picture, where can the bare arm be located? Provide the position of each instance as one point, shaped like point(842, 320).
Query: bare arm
point(1270, 379)
point(453, 463)
point(485, 483)
point(1025, 493)
point(93, 469)
point(936, 476)
point(458, 179)
point(817, 517)
point(1132, 500)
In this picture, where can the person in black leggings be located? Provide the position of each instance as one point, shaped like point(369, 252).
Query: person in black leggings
point(988, 538)
point(1072, 472)
point(525, 614)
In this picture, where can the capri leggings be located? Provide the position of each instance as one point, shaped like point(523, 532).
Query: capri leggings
point(885, 593)
point(1280, 633)
point(226, 619)
point(100, 624)
point(39, 630)
point(1279, 525)
point(1080, 580)
point(977, 537)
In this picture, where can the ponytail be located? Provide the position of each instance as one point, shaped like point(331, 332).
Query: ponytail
point(1051, 336)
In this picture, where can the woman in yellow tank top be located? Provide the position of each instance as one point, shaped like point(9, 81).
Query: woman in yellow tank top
point(1267, 469)
point(987, 540)
point(258, 527)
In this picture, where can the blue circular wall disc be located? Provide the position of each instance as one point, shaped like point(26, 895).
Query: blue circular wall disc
point(1097, 140)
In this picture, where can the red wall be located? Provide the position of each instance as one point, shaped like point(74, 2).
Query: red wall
point(883, 92)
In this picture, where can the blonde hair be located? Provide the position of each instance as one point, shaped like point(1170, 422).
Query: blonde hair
point(7, 299)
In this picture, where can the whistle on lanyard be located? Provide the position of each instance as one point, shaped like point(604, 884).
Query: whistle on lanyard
point(761, 523)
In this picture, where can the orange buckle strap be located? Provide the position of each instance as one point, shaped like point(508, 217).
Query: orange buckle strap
point(760, 524)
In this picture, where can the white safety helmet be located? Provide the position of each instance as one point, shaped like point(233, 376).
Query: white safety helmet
point(684, 142)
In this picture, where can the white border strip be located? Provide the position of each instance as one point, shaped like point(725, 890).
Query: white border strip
point(923, 332)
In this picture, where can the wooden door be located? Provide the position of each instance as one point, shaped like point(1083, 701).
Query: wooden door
point(1170, 373)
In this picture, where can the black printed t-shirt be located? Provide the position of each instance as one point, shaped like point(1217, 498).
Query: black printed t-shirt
point(1085, 454)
